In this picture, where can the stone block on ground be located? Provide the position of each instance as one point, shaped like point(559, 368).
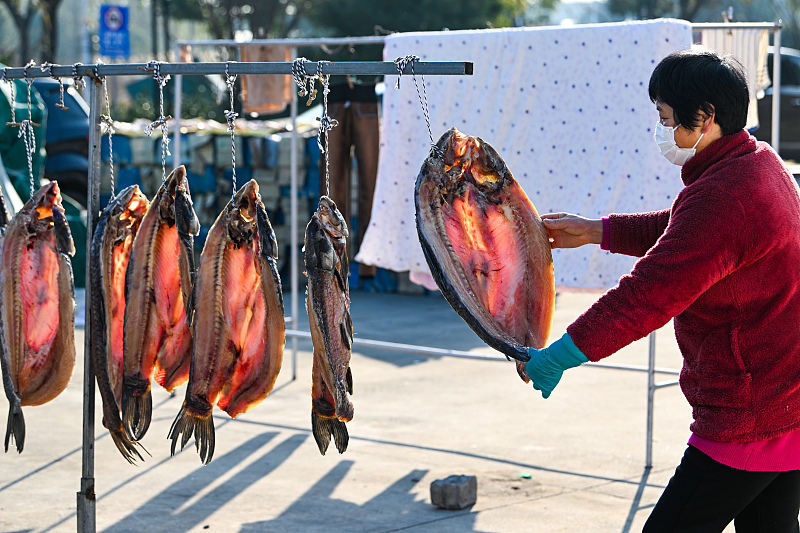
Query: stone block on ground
point(454, 492)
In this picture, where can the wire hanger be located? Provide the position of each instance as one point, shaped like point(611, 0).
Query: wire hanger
point(161, 121)
point(401, 63)
point(306, 83)
point(108, 122)
point(230, 115)
point(26, 128)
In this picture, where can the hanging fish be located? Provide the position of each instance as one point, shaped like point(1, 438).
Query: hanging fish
point(486, 245)
point(112, 242)
point(37, 308)
point(328, 307)
point(159, 283)
point(239, 327)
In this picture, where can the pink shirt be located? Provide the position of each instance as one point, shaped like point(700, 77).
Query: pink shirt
point(779, 454)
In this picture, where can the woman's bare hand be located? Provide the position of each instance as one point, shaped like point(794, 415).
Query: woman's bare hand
point(571, 231)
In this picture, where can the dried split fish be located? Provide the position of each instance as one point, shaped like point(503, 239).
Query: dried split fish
point(239, 326)
point(486, 245)
point(328, 306)
point(159, 283)
point(112, 242)
point(37, 308)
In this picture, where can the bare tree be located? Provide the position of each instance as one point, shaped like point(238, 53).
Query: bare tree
point(22, 12)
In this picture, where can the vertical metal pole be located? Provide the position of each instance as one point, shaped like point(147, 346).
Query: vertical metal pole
point(293, 259)
point(651, 390)
point(86, 496)
point(776, 89)
point(176, 134)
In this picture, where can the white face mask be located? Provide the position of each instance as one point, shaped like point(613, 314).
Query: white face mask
point(665, 138)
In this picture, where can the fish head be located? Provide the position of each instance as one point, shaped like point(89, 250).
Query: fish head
point(468, 163)
point(45, 199)
point(242, 213)
point(175, 202)
point(43, 212)
point(331, 218)
point(319, 252)
point(128, 208)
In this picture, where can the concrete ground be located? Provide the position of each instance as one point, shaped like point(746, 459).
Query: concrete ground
point(572, 463)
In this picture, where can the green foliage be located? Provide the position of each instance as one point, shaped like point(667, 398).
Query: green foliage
point(265, 18)
point(353, 17)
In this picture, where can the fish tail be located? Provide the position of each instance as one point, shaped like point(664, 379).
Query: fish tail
point(324, 427)
point(15, 427)
point(137, 407)
point(127, 447)
point(194, 421)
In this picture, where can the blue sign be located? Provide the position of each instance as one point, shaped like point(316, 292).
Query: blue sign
point(114, 36)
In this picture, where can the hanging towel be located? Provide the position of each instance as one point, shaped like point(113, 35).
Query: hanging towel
point(266, 95)
point(566, 108)
point(749, 46)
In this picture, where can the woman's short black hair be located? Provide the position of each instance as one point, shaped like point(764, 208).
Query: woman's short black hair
point(690, 82)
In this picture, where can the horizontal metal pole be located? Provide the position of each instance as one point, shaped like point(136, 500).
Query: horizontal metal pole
point(736, 25)
point(409, 348)
point(667, 384)
point(427, 350)
point(374, 39)
point(373, 68)
point(634, 368)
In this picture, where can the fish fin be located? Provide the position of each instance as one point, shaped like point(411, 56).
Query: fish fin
point(64, 242)
point(323, 428)
point(15, 427)
point(340, 435)
point(345, 336)
point(137, 409)
point(127, 447)
point(348, 378)
point(202, 425)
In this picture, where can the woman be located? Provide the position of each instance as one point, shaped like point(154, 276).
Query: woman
point(723, 262)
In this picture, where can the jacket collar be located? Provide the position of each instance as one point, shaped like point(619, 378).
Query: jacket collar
point(724, 147)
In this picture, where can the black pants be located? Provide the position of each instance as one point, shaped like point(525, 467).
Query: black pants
point(704, 496)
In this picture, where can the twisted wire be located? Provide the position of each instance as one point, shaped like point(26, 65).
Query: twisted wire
point(161, 121)
point(48, 67)
point(80, 83)
point(304, 80)
point(109, 124)
point(26, 128)
point(326, 124)
point(13, 98)
point(401, 63)
point(230, 115)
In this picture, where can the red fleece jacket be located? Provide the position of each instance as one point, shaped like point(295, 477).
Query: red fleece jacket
point(724, 262)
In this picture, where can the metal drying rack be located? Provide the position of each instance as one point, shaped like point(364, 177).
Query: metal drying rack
point(95, 75)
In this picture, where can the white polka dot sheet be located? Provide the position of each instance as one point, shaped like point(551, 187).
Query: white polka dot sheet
point(566, 107)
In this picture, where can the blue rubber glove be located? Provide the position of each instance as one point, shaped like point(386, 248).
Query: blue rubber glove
point(546, 366)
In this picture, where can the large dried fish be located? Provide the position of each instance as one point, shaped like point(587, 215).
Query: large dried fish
point(159, 283)
point(239, 328)
point(486, 245)
point(112, 242)
point(328, 306)
point(37, 307)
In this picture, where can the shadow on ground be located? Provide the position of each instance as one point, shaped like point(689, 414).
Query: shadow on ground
point(316, 510)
